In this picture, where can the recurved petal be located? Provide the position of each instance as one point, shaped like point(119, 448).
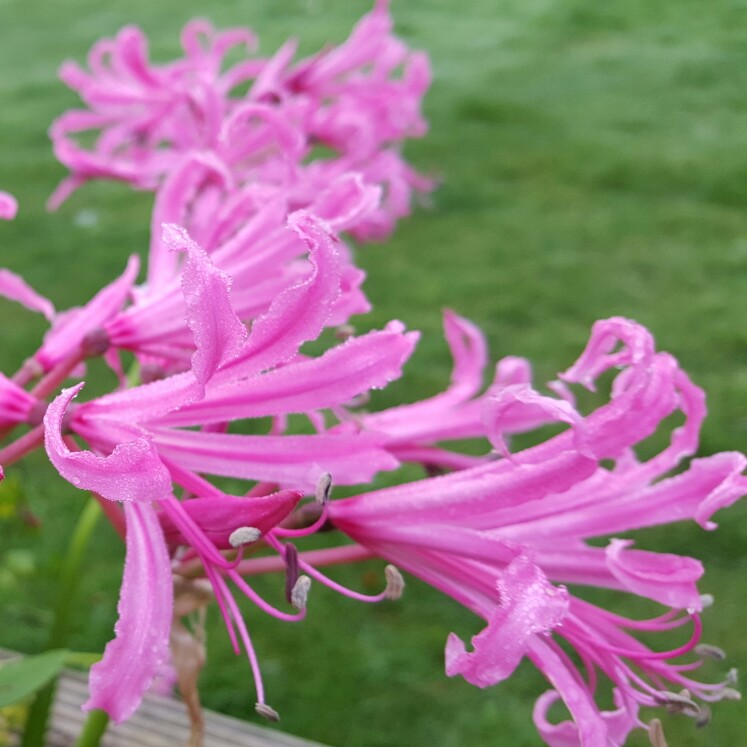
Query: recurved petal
point(343, 372)
point(666, 578)
point(590, 727)
point(72, 327)
point(346, 201)
point(15, 288)
point(289, 460)
point(218, 333)
point(299, 313)
point(219, 516)
point(131, 661)
point(518, 401)
point(132, 472)
point(173, 204)
point(470, 354)
point(619, 723)
point(529, 605)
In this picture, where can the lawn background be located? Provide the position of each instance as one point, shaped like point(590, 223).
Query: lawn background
point(593, 163)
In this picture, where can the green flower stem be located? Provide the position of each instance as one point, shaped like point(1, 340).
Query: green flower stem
point(94, 729)
point(36, 723)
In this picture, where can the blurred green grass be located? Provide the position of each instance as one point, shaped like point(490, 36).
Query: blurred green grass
point(593, 163)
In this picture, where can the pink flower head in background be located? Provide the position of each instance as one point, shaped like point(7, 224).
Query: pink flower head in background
point(503, 537)
point(360, 100)
point(8, 206)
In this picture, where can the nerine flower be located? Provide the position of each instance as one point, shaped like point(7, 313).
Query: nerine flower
point(503, 538)
point(139, 450)
point(360, 100)
point(264, 253)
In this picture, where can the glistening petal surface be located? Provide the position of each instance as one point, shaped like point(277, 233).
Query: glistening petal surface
point(132, 472)
point(131, 661)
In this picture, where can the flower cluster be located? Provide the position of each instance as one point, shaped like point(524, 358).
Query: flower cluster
point(358, 101)
point(246, 265)
point(502, 538)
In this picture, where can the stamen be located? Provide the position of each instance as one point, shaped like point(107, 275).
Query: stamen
point(219, 590)
point(300, 593)
point(267, 712)
point(290, 555)
point(312, 517)
point(251, 654)
point(643, 655)
point(656, 733)
point(344, 332)
point(395, 584)
point(706, 601)
point(706, 651)
point(265, 606)
point(681, 702)
point(244, 536)
point(704, 718)
point(192, 533)
point(95, 343)
point(323, 488)
point(325, 580)
point(729, 693)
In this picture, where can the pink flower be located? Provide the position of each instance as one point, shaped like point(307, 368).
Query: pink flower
point(138, 450)
point(501, 538)
point(264, 257)
point(360, 100)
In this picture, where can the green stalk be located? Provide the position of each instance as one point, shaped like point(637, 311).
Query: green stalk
point(36, 723)
point(94, 729)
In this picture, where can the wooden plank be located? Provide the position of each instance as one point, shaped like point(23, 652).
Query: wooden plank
point(161, 721)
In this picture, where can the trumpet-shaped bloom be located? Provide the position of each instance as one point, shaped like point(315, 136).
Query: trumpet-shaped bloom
point(504, 537)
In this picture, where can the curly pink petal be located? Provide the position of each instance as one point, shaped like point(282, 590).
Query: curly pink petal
point(141, 644)
point(132, 472)
point(529, 605)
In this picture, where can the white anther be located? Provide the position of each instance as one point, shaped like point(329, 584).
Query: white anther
point(680, 702)
point(323, 488)
point(267, 711)
point(703, 718)
point(344, 332)
point(300, 592)
point(395, 584)
point(729, 693)
point(244, 536)
point(706, 651)
point(706, 600)
point(656, 733)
